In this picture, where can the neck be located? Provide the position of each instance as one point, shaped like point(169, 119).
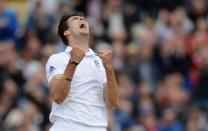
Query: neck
point(82, 43)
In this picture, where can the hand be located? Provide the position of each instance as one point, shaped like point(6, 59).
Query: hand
point(76, 54)
point(106, 56)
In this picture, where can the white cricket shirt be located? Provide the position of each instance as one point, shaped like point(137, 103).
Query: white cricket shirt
point(84, 103)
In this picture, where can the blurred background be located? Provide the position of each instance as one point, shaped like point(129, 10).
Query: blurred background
point(160, 56)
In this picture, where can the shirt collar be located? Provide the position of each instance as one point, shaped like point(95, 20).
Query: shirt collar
point(89, 53)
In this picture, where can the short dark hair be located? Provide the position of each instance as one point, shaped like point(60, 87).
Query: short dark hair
point(63, 26)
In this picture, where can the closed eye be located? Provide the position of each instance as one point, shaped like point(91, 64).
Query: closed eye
point(74, 18)
point(84, 18)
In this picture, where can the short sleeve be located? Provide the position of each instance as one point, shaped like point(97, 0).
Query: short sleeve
point(104, 77)
point(53, 67)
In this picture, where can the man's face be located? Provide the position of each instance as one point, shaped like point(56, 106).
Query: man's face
point(78, 25)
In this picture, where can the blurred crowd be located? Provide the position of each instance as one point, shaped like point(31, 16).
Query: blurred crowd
point(160, 56)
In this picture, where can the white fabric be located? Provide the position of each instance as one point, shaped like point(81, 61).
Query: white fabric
point(84, 104)
point(70, 126)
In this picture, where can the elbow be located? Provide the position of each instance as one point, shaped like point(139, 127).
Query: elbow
point(58, 88)
point(113, 105)
point(58, 99)
point(112, 102)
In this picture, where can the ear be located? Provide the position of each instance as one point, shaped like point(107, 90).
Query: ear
point(66, 33)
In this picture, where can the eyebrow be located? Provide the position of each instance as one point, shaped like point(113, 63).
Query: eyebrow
point(71, 18)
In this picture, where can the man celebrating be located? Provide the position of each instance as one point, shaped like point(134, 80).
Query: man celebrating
point(82, 83)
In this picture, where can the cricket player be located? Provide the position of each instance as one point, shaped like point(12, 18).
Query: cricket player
point(82, 83)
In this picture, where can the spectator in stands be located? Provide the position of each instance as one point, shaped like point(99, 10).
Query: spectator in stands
point(169, 121)
point(8, 22)
point(41, 24)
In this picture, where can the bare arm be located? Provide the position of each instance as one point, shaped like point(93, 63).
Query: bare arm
point(59, 86)
point(111, 88)
point(61, 83)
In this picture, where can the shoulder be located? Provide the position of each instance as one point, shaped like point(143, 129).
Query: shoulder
point(55, 65)
point(10, 11)
point(98, 61)
point(97, 58)
point(57, 58)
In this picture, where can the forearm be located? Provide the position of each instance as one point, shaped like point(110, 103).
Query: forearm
point(111, 89)
point(60, 86)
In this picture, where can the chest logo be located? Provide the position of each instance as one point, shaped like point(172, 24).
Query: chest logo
point(51, 69)
point(97, 64)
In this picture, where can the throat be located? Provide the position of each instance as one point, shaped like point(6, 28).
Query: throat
point(81, 44)
point(84, 48)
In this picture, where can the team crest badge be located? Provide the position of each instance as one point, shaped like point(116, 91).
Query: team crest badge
point(97, 64)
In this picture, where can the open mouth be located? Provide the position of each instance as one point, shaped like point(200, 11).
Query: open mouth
point(82, 26)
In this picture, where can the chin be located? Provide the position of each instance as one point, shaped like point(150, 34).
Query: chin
point(85, 33)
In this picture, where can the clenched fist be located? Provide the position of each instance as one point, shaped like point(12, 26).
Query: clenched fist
point(76, 54)
point(106, 56)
